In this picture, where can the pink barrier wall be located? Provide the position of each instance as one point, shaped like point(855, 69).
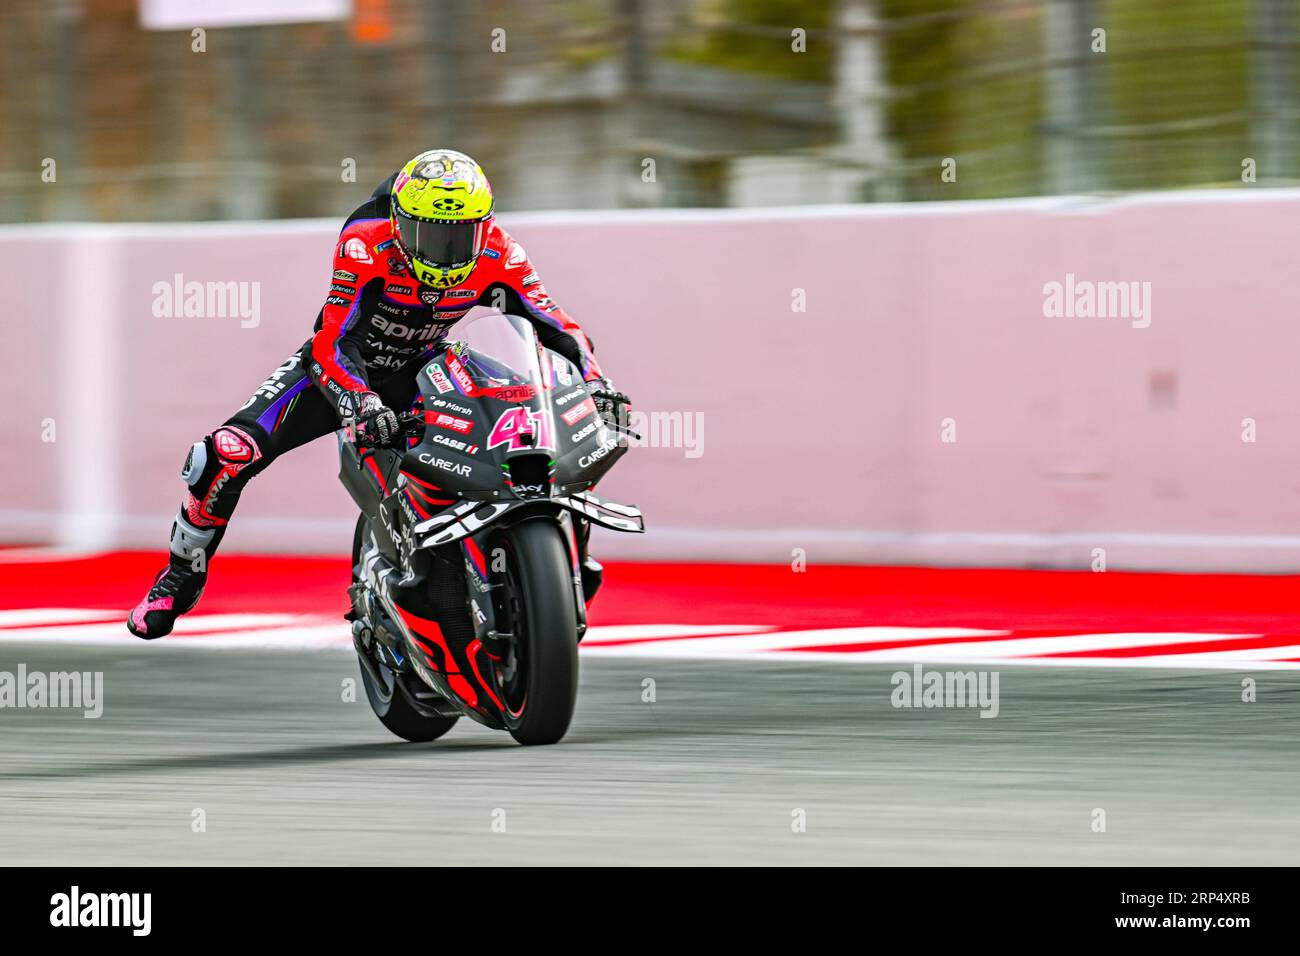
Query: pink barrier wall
point(823, 429)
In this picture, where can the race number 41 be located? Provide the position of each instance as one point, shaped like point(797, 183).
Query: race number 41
point(521, 428)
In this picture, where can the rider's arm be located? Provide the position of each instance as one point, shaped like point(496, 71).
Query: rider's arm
point(525, 296)
point(336, 364)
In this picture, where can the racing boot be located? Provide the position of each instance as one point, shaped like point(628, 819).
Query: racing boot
point(178, 587)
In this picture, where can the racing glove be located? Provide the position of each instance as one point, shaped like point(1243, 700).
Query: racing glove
point(611, 404)
point(376, 423)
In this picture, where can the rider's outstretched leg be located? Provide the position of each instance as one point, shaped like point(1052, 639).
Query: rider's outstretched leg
point(285, 412)
point(216, 470)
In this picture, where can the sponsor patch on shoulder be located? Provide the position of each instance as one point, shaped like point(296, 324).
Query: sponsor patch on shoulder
point(344, 276)
point(354, 249)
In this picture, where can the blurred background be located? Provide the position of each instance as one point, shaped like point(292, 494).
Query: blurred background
point(740, 102)
point(815, 236)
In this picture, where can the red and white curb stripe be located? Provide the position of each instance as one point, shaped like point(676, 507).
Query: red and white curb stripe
point(1057, 648)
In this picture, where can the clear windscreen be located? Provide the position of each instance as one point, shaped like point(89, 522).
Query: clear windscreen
point(507, 351)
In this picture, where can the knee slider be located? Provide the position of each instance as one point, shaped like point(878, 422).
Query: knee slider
point(195, 462)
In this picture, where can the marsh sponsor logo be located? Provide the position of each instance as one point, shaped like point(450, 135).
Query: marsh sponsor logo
point(1084, 299)
point(77, 909)
point(55, 690)
point(570, 396)
point(926, 689)
point(179, 299)
point(458, 409)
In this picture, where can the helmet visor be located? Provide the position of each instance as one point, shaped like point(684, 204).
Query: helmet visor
point(440, 243)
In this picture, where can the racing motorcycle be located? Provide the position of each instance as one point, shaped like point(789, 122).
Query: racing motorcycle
point(467, 594)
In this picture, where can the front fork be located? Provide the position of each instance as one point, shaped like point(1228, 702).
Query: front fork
point(490, 654)
point(482, 564)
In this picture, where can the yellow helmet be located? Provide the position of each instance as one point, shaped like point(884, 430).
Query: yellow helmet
point(441, 208)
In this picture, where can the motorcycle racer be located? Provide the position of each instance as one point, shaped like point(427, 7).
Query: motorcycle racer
point(409, 263)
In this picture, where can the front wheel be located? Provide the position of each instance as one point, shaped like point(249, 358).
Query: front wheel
point(539, 677)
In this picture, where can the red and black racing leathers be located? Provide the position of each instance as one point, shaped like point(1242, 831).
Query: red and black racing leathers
point(376, 329)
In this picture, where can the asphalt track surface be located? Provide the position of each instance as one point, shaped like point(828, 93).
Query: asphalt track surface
point(715, 770)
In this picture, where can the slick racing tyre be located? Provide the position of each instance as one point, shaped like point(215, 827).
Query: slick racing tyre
point(388, 700)
point(539, 679)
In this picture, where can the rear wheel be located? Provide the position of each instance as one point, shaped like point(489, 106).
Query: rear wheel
point(539, 678)
point(387, 699)
point(396, 713)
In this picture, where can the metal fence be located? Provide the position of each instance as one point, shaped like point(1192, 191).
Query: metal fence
point(618, 103)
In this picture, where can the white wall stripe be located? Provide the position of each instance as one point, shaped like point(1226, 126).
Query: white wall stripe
point(748, 642)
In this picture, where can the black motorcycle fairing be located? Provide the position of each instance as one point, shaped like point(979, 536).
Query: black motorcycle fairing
point(519, 440)
point(494, 447)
